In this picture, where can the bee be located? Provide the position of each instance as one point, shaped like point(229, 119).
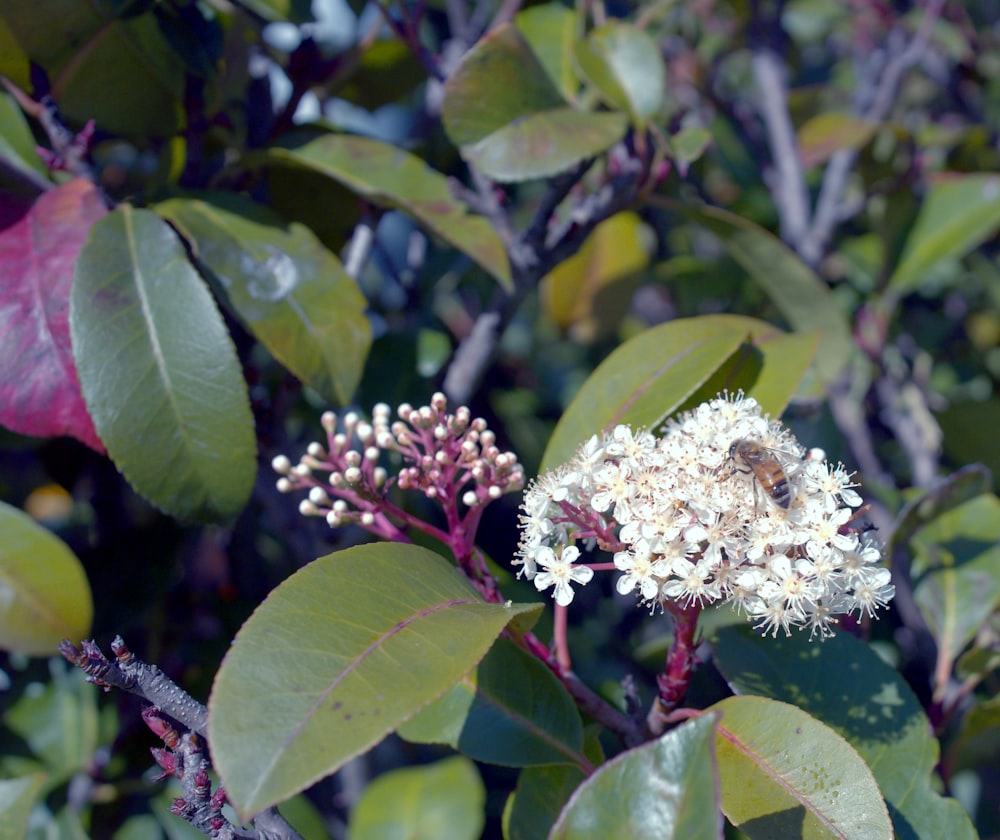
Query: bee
point(762, 463)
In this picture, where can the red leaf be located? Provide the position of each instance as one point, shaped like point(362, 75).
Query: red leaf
point(39, 388)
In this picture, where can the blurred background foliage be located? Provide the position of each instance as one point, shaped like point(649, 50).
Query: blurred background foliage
point(198, 96)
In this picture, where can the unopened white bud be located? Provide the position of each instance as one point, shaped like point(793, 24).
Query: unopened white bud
point(367, 518)
point(494, 492)
point(301, 471)
point(307, 508)
point(469, 498)
point(372, 453)
point(329, 422)
point(281, 464)
point(318, 496)
point(379, 476)
point(352, 475)
point(284, 485)
point(316, 450)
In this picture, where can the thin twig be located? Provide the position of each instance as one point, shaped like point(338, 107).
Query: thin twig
point(828, 212)
point(131, 674)
point(789, 188)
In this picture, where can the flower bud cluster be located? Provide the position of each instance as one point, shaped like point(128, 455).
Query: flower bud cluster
point(725, 507)
point(447, 457)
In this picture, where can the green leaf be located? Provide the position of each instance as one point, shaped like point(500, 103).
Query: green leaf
point(952, 491)
point(785, 774)
point(539, 798)
point(957, 216)
point(956, 571)
point(14, 64)
point(580, 292)
point(689, 144)
point(799, 294)
point(289, 290)
point(846, 685)
point(509, 710)
point(445, 799)
point(550, 30)
point(17, 144)
point(119, 70)
point(390, 177)
point(504, 112)
point(17, 796)
point(665, 788)
point(624, 63)
point(500, 80)
point(44, 594)
point(544, 144)
point(978, 741)
point(54, 729)
point(653, 374)
point(826, 134)
point(158, 370)
point(338, 656)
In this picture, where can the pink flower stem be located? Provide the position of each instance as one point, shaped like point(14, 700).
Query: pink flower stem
point(679, 664)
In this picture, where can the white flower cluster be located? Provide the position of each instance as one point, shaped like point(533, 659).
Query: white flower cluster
point(726, 506)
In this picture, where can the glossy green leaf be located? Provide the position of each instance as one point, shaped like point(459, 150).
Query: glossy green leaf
point(390, 177)
point(956, 571)
point(653, 374)
point(509, 710)
point(536, 803)
point(44, 593)
point(17, 796)
point(786, 774)
point(579, 293)
point(17, 143)
point(666, 788)
point(121, 71)
point(504, 112)
point(338, 656)
point(843, 683)
point(445, 799)
point(158, 370)
point(805, 301)
point(957, 216)
point(624, 63)
point(550, 30)
point(826, 134)
point(290, 291)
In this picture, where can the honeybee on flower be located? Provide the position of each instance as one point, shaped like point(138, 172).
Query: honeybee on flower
point(686, 521)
